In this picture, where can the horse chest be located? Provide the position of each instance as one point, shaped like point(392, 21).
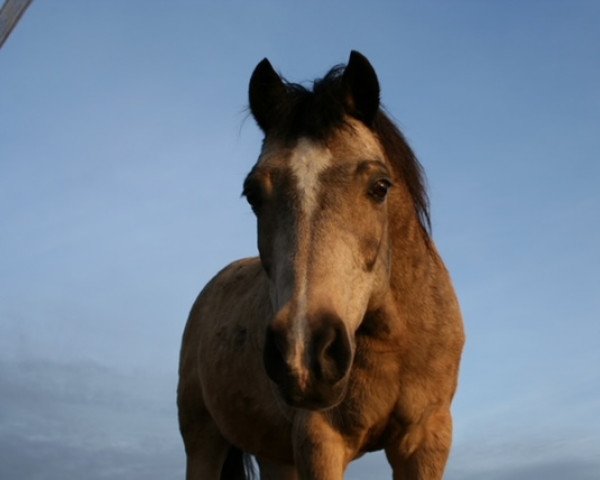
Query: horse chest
point(367, 417)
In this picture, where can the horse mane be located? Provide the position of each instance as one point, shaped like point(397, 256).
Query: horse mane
point(317, 113)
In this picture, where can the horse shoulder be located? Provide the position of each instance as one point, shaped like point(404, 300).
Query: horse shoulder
point(211, 311)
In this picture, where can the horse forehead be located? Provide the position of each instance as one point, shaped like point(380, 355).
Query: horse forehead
point(307, 158)
point(307, 161)
point(303, 162)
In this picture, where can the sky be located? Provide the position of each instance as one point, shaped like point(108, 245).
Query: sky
point(124, 142)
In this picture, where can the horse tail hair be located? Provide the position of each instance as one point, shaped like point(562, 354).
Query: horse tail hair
point(238, 466)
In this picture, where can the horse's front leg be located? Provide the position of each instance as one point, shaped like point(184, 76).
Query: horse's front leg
point(276, 471)
point(422, 452)
point(319, 450)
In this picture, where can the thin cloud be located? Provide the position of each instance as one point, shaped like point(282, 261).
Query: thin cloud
point(82, 420)
point(550, 470)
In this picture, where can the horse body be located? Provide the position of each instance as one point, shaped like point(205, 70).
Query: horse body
point(345, 336)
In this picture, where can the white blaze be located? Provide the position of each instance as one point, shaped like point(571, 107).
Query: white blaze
point(308, 161)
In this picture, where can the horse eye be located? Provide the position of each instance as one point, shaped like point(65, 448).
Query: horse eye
point(379, 189)
point(254, 198)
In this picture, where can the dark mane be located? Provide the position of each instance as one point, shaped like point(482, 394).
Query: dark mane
point(408, 166)
point(317, 113)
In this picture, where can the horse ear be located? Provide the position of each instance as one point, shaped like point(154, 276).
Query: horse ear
point(265, 92)
point(361, 88)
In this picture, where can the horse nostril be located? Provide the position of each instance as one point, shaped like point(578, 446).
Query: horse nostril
point(331, 350)
point(274, 354)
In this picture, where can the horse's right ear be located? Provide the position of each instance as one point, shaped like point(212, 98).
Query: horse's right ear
point(266, 92)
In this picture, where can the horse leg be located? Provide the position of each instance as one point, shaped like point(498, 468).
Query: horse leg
point(422, 452)
point(205, 447)
point(276, 471)
point(319, 450)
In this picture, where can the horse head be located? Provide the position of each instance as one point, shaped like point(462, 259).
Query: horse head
point(321, 191)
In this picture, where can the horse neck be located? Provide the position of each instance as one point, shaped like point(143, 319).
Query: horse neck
point(416, 265)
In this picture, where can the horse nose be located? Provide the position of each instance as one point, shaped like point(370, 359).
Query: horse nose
point(309, 369)
point(330, 349)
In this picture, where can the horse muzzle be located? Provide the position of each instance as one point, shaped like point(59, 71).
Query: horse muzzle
point(310, 372)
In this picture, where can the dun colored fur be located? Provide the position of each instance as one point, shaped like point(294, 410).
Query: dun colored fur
point(345, 335)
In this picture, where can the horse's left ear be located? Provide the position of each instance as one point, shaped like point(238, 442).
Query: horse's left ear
point(361, 88)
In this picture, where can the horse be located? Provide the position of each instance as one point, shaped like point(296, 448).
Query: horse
point(344, 336)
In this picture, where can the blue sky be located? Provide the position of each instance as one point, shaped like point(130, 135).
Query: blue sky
point(124, 141)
